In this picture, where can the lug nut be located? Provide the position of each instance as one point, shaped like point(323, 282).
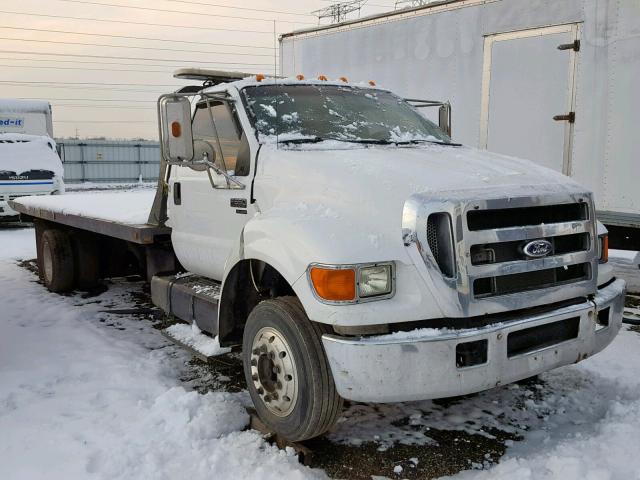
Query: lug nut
point(254, 377)
point(274, 395)
point(279, 385)
point(260, 391)
point(256, 351)
point(267, 398)
point(254, 362)
point(276, 369)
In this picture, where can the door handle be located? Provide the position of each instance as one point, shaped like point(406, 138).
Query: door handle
point(177, 194)
point(569, 117)
point(575, 46)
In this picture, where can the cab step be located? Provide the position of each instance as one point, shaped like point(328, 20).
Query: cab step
point(201, 346)
point(191, 298)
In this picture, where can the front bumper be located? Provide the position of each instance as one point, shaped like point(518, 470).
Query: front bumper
point(424, 365)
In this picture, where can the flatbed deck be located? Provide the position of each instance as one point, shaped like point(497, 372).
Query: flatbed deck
point(119, 215)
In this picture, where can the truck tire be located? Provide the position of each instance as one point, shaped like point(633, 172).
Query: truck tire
point(287, 371)
point(87, 261)
point(56, 264)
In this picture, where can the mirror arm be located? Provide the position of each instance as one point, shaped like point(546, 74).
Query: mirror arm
point(219, 171)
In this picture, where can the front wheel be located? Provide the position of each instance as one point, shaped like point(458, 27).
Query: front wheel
point(287, 372)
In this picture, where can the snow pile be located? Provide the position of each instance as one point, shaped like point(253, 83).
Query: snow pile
point(10, 105)
point(192, 336)
point(131, 208)
point(80, 399)
point(28, 152)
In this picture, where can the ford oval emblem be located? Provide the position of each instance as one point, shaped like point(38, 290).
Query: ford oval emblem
point(538, 248)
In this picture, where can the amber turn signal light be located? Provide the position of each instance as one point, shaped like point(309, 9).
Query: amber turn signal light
point(335, 285)
point(176, 129)
point(604, 248)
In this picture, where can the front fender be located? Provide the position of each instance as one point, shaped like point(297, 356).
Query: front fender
point(289, 244)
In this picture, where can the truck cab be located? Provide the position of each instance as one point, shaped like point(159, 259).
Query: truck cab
point(362, 254)
point(29, 161)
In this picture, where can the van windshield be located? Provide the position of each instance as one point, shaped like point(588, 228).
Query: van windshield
point(296, 113)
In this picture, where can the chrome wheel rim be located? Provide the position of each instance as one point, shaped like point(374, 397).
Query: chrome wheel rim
point(47, 263)
point(273, 371)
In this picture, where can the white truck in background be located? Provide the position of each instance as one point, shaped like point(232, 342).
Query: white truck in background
point(29, 161)
point(348, 246)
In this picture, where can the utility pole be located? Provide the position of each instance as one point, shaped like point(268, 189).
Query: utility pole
point(411, 3)
point(338, 11)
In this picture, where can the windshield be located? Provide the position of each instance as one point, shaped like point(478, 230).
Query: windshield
point(333, 112)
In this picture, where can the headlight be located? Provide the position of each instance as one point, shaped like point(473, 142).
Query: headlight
point(351, 283)
point(603, 247)
point(374, 280)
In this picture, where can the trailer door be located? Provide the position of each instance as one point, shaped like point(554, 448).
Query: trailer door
point(527, 81)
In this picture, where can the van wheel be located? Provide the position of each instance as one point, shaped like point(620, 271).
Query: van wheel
point(57, 265)
point(287, 371)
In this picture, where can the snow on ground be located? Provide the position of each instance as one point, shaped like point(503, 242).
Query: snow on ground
point(130, 207)
point(85, 396)
point(81, 400)
point(192, 336)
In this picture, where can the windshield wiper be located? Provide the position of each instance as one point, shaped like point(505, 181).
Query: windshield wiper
point(302, 140)
point(413, 142)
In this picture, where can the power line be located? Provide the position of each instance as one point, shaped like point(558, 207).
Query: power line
point(84, 69)
point(128, 22)
point(164, 10)
point(85, 44)
point(31, 82)
point(177, 65)
point(50, 99)
point(240, 8)
point(133, 38)
point(135, 58)
point(103, 121)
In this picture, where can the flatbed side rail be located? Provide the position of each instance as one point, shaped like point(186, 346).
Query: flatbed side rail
point(144, 234)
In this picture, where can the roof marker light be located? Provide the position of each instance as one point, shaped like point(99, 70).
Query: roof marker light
point(344, 79)
point(372, 83)
point(259, 77)
point(322, 78)
point(300, 77)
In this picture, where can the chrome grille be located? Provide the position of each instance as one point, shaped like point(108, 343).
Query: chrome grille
point(496, 238)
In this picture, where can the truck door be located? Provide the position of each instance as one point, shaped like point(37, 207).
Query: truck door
point(528, 79)
point(206, 221)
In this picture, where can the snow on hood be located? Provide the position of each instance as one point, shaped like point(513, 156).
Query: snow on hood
point(20, 153)
point(365, 189)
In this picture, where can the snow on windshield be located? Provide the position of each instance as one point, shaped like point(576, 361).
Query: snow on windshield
point(332, 112)
point(22, 153)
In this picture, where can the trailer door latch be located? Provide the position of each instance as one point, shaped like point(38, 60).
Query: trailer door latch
point(575, 46)
point(569, 117)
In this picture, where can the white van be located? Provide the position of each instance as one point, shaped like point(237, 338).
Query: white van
point(29, 162)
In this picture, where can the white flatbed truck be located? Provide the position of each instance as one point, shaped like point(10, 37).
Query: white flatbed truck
point(348, 246)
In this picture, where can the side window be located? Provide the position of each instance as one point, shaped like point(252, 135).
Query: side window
point(232, 141)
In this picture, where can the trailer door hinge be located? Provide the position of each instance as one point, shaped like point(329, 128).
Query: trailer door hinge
point(575, 46)
point(569, 117)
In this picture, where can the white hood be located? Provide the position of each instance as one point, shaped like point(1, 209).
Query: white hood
point(360, 192)
point(20, 153)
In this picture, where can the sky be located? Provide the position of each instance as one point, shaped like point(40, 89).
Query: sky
point(100, 86)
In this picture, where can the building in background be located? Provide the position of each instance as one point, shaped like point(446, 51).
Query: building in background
point(109, 161)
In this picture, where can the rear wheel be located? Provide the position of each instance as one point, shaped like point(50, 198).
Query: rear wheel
point(56, 264)
point(287, 372)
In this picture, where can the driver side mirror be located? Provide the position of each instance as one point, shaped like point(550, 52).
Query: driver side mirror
point(176, 136)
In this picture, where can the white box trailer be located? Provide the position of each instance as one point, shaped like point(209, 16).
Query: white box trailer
point(31, 117)
point(551, 81)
